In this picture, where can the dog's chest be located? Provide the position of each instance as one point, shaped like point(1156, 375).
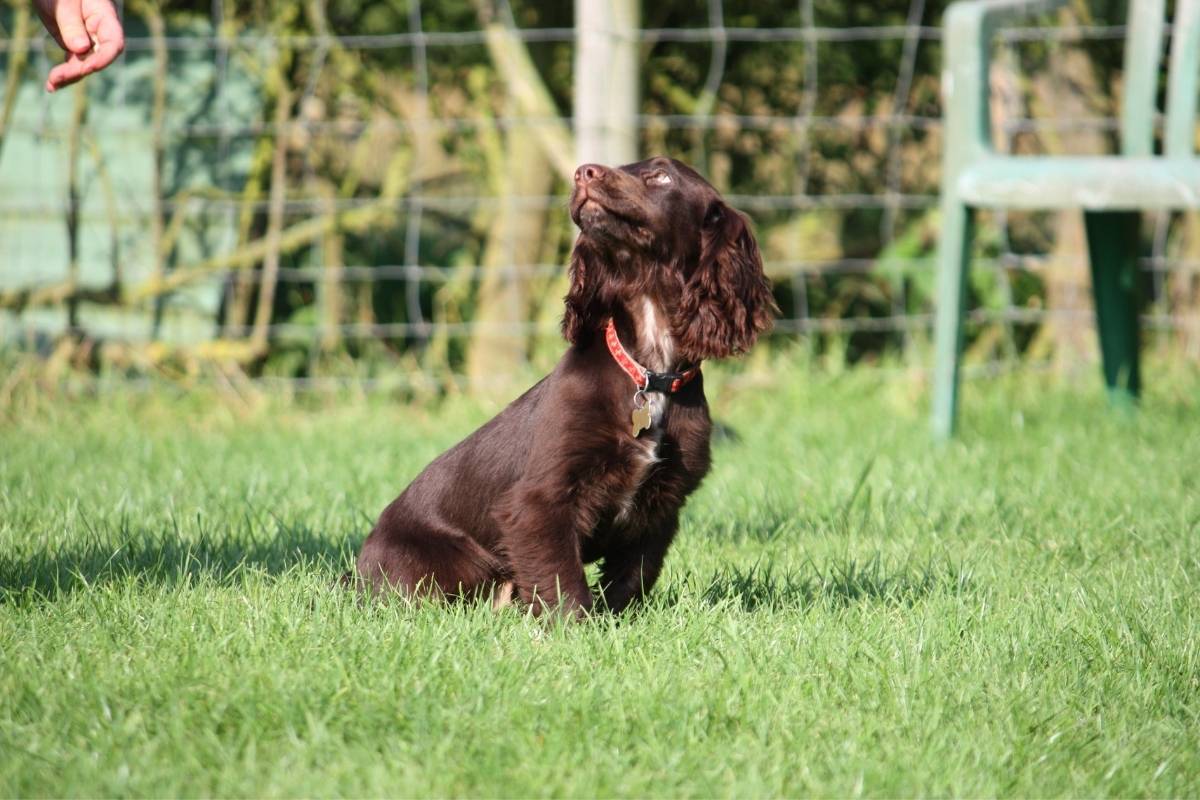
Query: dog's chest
point(655, 339)
point(656, 402)
point(642, 457)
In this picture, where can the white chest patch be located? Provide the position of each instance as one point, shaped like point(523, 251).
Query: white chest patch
point(657, 346)
point(655, 337)
point(644, 460)
point(657, 403)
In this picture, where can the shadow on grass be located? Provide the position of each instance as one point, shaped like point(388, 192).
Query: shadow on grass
point(838, 584)
point(164, 557)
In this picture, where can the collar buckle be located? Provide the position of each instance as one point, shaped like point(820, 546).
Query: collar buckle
point(665, 382)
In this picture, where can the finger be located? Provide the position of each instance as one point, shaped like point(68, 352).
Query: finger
point(68, 72)
point(109, 38)
point(64, 74)
point(45, 10)
point(105, 54)
point(68, 14)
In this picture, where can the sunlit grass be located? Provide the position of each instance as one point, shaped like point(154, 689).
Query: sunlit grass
point(848, 609)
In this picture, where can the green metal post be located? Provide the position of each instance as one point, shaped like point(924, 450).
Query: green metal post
point(1113, 248)
point(954, 256)
point(964, 96)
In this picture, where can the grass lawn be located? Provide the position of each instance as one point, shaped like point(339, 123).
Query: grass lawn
point(847, 610)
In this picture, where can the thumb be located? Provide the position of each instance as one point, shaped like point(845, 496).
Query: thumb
point(69, 16)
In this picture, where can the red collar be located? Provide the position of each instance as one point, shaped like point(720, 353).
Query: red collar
point(644, 379)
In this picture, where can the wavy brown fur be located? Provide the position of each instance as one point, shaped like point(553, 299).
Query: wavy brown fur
point(557, 479)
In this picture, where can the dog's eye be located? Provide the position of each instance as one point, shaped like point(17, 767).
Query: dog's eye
point(658, 178)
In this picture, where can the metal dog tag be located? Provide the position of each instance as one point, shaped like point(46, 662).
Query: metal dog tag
point(640, 419)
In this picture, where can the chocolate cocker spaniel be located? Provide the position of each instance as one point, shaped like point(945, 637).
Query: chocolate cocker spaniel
point(597, 459)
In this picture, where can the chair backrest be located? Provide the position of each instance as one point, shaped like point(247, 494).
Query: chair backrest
point(1180, 134)
point(1143, 48)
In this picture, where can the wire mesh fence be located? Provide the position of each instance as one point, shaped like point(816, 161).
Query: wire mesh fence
point(335, 191)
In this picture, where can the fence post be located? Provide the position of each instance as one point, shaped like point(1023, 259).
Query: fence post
point(606, 80)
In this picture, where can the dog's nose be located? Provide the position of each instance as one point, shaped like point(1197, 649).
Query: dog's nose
point(588, 173)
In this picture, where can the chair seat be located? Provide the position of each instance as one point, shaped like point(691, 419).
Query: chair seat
point(1088, 182)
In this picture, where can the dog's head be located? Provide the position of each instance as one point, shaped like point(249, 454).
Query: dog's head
point(658, 229)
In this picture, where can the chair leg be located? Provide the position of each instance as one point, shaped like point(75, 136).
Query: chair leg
point(954, 254)
point(1113, 249)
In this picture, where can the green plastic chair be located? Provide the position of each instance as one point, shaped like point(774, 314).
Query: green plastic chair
point(1111, 190)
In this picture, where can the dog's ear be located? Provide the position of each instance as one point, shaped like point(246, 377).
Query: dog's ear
point(580, 305)
point(727, 299)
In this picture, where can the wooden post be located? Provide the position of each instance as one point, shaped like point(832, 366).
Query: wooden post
point(606, 81)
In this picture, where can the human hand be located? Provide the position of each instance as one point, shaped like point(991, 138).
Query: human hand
point(88, 30)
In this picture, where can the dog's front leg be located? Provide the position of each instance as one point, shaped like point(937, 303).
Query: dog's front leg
point(626, 577)
point(541, 531)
